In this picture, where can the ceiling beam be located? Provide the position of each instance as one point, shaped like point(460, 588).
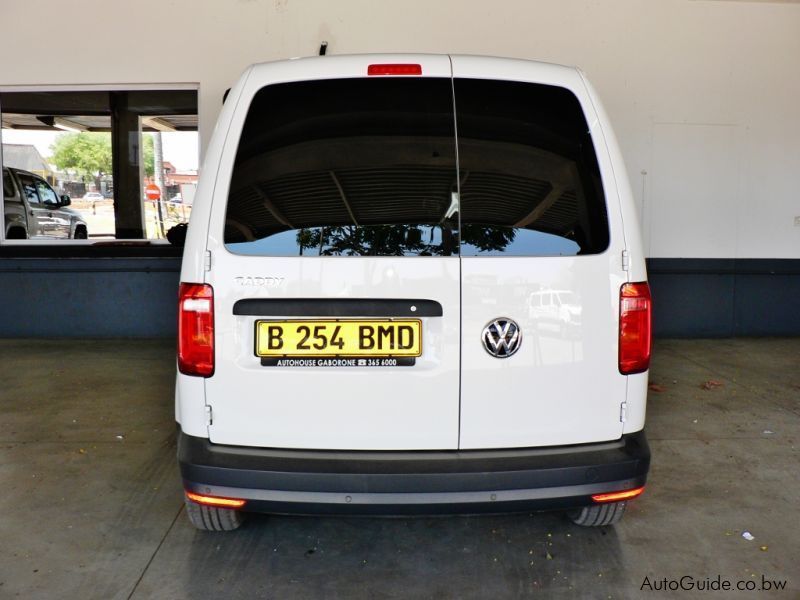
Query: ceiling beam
point(158, 124)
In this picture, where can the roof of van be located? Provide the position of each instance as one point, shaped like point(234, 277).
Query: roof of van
point(415, 58)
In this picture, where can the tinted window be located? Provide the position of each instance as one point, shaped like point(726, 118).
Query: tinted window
point(46, 193)
point(530, 184)
point(351, 167)
point(28, 189)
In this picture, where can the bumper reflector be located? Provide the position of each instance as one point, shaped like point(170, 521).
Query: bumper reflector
point(215, 500)
point(617, 496)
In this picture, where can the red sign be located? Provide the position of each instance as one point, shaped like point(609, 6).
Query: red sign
point(152, 192)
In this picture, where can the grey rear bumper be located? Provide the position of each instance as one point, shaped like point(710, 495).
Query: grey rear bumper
point(426, 482)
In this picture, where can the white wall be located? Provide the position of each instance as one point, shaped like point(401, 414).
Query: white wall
point(683, 80)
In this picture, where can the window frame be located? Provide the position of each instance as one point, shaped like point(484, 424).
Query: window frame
point(15, 245)
point(38, 204)
point(11, 183)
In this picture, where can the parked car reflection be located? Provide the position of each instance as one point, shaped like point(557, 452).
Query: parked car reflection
point(557, 312)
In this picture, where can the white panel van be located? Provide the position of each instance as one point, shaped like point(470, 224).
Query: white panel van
point(412, 284)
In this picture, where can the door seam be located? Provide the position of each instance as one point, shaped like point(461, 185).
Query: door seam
point(460, 272)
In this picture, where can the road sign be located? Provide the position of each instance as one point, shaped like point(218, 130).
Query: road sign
point(152, 192)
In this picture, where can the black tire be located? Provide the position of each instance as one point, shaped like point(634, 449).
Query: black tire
point(81, 233)
point(599, 515)
point(17, 233)
point(211, 518)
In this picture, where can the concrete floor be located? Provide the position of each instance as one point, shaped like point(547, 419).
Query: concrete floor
point(87, 514)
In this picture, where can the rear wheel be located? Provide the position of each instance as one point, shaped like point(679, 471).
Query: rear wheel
point(80, 233)
point(211, 518)
point(16, 233)
point(598, 515)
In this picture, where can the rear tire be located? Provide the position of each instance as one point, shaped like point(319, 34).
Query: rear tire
point(598, 515)
point(16, 233)
point(211, 518)
point(80, 233)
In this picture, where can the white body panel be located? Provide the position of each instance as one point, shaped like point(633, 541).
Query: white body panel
point(562, 387)
point(611, 160)
point(354, 408)
point(190, 405)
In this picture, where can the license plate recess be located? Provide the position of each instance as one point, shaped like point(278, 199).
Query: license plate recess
point(339, 338)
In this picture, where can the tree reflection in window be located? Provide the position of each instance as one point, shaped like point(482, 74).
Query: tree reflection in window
point(400, 240)
point(379, 240)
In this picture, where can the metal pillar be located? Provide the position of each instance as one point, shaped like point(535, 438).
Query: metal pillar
point(126, 161)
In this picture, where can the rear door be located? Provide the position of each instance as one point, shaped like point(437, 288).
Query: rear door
point(338, 214)
point(542, 252)
point(39, 223)
point(59, 221)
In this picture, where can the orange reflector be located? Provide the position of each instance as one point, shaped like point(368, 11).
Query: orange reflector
point(394, 69)
point(215, 500)
point(617, 496)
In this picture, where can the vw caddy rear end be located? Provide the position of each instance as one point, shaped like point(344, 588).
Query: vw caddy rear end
point(412, 284)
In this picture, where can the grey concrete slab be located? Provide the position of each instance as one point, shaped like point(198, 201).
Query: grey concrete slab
point(447, 557)
point(86, 390)
point(680, 406)
point(82, 511)
point(107, 522)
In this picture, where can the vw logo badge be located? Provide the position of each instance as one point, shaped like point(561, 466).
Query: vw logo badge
point(502, 337)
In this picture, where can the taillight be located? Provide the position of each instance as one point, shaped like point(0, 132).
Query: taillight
point(196, 329)
point(394, 69)
point(617, 496)
point(635, 307)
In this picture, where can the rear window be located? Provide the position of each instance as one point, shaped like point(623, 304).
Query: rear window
point(347, 167)
point(367, 167)
point(530, 183)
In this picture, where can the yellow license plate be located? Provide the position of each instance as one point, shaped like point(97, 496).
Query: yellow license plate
point(338, 337)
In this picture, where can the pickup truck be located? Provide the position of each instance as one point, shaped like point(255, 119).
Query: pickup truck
point(33, 210)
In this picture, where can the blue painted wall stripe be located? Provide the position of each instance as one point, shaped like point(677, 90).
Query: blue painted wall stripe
point(129, 296)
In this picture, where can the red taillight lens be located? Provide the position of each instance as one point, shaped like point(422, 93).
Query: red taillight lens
point(394, 69)
point(196, 330)
point(215, 500)
point(617, 496)
point(635, 307)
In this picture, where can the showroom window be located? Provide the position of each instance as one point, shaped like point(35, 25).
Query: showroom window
point(97, 165)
